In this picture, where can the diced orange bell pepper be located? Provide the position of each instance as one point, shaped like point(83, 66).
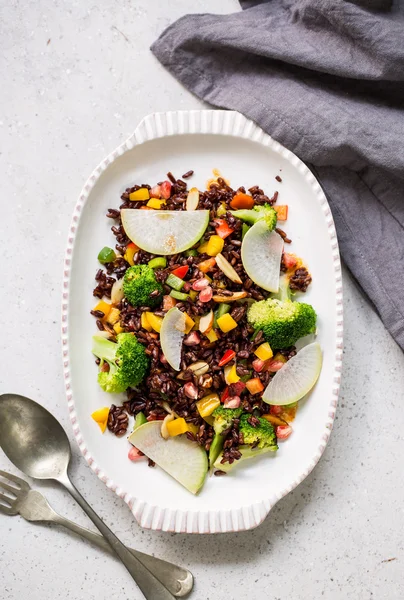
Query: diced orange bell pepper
point(100, 416)
point(241, 200)
point(254, 386)
point(206, 265)
point(131, 250)
point(282, 212)
point(140, 194)
point(274, 420)
point(168, 302)
point(189, 323)
point(104, 307)
point(177, 427)
point(207, 404)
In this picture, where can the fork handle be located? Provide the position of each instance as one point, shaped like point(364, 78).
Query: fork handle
point(177, 580)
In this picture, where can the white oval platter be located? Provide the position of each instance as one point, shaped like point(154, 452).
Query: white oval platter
point(245, 155)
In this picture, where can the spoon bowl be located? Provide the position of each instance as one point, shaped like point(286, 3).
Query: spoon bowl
point(33, 440)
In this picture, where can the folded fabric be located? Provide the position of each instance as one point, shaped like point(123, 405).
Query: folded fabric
point(326, 79)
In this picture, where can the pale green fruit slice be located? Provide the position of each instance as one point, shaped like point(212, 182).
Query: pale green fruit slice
point(171, 335)
point(185, 461)
point(296, 378)
point(164, 232)
point(261, 253)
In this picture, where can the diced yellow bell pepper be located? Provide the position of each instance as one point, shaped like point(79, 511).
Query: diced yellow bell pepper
point(156, 204)
point(189, 323)
point(100, 416)
point(264, 351)
point(104, 307)
point(113, 316)
point(145, 322)
point(177, 427)
point(131, 250)
point(230, 374)
point(215, 245)
point(226, 323)
point(280, 357)
point(193, 294)
point(154, 321)
point(203, 248)
point(212, 336)
point(222, 210)
point(207, 404)
point(193, 428)
point(118, 328)
point(141, 194)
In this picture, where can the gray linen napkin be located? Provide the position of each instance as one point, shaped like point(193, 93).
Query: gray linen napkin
point(326, 79)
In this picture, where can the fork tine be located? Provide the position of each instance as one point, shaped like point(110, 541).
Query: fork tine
point(21, 483)
point(6, 510)
point(11, 490)
point(7, 500)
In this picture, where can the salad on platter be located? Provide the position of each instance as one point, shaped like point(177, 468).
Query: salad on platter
point(199, 310)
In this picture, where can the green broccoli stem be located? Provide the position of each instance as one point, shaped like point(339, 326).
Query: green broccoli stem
point(247, 452)
point(104, 349)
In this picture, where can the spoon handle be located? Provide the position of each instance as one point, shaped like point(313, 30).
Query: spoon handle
point(151, 587)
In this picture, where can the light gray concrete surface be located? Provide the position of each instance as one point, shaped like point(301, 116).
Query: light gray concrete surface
point(76, 79)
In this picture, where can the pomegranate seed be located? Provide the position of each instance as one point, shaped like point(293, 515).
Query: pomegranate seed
point(134, 454)
point(165, 190)
point(276, 410)
point(155, 192)
point(274, 365)
point(283, 432)
point(163, 359)
point(289, 260)
point(258, 365)
point(192, 339)
point(190, 390)
point(200, 284)
point(232, 402)
point(206, 294)
point(186, 287)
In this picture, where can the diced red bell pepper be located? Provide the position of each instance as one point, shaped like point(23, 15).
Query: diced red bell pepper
point(226, 358)
point(181, 271)
point(168, 302)
point(236, 389)
point(241, 200)
point(232, 402)
point(225, 394)
point(223, 229)
point(283, 432)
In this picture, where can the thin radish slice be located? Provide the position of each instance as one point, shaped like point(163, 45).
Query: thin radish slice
point(261, 253)
point(184, 460)
point(164, 232)
point(171, 335)
point(296, 378)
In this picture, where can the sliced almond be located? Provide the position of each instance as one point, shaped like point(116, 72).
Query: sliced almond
point(227, 269)
point(199, 368)
point(164, 430)
point(233, 298)
point(206, 322)
point(192, 199)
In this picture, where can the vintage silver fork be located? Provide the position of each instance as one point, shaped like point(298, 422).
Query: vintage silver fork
point(17, 497)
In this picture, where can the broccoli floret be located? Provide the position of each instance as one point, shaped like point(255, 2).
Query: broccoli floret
point(127, 362)
point(223, 418)
point(282, 323)
point(263, 436)
point(259, 212)
point(138, 285)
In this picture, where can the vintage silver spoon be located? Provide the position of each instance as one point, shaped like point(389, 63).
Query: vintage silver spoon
point(36, 443)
